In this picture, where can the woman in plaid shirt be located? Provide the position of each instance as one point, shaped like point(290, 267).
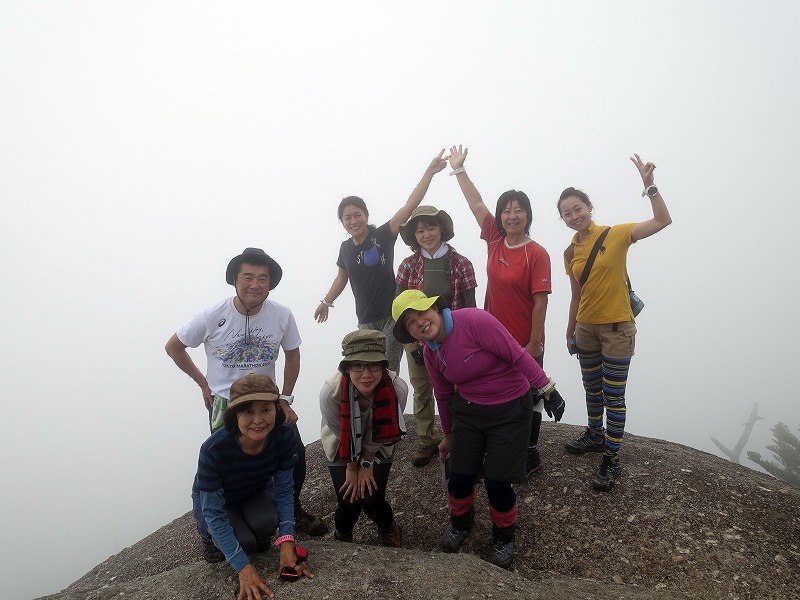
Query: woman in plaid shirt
point(438, 270)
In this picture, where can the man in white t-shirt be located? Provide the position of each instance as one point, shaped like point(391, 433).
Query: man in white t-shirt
point(242, 335)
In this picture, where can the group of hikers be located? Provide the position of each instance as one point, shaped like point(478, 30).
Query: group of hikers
point(483, 368)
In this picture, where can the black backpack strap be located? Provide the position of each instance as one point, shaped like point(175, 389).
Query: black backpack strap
point(592, 256)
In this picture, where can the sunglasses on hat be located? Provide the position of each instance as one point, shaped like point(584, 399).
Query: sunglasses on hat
point(290, 573)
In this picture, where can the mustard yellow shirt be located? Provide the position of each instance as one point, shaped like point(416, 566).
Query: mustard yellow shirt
point(604, 296)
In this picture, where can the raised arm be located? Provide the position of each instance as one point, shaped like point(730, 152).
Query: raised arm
point(473, 197)
point(402, 215)
point(661, 216)
point(337, 287)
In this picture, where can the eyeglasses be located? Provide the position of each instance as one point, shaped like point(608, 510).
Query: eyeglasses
point(359, 367)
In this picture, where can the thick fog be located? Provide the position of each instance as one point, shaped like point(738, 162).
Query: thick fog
point(144, 144)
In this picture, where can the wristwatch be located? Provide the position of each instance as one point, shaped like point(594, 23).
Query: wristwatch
point(650, 190)
point(365, 463)
point(288, 399)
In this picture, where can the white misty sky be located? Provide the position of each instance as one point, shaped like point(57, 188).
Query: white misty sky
point(146, 143)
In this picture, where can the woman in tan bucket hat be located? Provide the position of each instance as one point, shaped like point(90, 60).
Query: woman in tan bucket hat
point(362, 418)
point(438, 270)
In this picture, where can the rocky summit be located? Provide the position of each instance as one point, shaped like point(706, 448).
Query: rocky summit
point(679, 523)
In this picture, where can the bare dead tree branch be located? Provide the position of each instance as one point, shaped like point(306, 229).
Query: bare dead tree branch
point(735, 454)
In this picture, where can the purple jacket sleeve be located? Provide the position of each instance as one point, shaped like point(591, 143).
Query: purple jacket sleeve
point(531, 369)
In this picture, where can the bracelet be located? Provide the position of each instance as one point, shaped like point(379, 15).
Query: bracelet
point(457, 171)
point(283, 538)
point(326, 303)
point(547, 389)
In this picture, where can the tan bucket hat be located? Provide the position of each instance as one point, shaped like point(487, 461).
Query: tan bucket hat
point(408, 231)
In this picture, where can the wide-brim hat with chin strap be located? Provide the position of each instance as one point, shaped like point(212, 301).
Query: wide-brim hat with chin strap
point(409, 231)
point(409, 300)
point(253, 387)
point(254, 256)
point(363, 345)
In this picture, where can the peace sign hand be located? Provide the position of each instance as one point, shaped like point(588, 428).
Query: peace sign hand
point(645, 170)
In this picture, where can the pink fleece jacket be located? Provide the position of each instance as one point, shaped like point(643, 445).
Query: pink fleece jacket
point(483, 360)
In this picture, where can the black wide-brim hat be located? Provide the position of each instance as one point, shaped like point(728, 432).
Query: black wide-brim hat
point(254, 256)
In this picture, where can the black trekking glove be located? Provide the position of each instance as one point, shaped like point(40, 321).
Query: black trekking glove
point(554, 405)
point(553, 402)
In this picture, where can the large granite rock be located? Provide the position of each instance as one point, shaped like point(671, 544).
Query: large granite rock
point(680, 523)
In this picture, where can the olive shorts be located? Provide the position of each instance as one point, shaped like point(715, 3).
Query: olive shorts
point(615, 340)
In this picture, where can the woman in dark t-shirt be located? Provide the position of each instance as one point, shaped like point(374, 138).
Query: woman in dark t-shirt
point(366, 260)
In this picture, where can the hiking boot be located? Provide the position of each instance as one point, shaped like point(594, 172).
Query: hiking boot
point(305, 522)
point(591, 441)
point(533, 462)
point(453, 538)
point(423, 455)
point(502, 553)
point(211, 553)
point(607, 473)
point(347, 536)
point(391, 538)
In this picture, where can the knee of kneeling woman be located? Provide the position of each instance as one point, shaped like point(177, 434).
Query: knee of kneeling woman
point(263, 527)
point(247, 540)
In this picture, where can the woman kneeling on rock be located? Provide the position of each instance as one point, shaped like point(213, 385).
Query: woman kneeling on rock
point(482, 380)
point(244, 475)
point(362, 418)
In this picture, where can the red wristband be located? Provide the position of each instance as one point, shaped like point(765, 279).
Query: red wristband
point(284, 538)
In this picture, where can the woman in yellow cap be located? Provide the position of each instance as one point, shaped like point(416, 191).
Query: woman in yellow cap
point(482, 379)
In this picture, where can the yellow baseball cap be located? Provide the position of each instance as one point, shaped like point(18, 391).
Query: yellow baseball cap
point(408, 300)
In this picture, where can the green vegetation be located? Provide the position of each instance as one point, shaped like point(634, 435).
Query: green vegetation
point(786, 448)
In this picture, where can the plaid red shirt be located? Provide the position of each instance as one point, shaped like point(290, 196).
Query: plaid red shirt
point(411, 271)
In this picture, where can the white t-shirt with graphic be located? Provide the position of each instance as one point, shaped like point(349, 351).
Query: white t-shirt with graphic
point(221, 329)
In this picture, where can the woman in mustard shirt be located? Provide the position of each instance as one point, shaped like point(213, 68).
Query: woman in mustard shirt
point(600, 317)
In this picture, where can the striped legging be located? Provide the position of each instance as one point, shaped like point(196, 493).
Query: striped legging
point(604, 380)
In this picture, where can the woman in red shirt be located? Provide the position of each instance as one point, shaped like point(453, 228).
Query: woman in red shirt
point(518, 276)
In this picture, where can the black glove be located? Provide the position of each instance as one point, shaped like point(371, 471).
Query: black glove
point(554, 405)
